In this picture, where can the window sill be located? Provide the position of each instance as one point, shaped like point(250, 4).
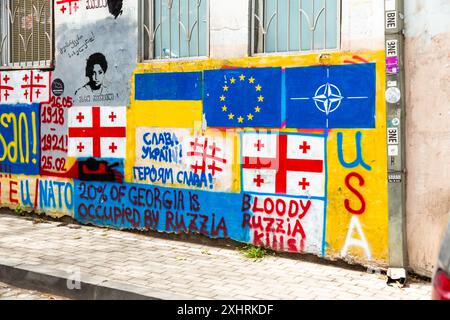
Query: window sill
point(49, 67)
point(294, 53)
point(184, 59)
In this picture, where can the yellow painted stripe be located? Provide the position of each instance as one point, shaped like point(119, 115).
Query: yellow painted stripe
point(168, 114)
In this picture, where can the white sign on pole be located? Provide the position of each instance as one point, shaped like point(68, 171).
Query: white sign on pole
point(391, 20)
point(392, 48)
point(389, 5)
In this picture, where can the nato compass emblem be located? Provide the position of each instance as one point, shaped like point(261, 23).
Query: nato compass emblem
point(328, 98)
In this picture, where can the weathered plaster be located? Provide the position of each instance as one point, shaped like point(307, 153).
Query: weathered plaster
point(229, 28)
point(362, 25)
point(427, 132)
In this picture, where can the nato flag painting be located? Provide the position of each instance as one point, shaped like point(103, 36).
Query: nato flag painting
point(246, 97)
point(331, 96)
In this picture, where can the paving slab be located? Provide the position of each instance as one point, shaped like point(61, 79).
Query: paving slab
point(80, 262)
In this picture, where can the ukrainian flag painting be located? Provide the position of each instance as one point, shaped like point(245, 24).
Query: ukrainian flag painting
point(169, 99)
point(246, 97)
point(169, 86)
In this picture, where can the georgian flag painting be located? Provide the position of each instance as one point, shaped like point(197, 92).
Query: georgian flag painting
point(284, 164)
point(28, 86)
point(98, 132)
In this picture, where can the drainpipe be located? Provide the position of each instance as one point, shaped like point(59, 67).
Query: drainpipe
point(395, 123)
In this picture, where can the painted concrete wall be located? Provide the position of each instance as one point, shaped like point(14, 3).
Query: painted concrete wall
point(287, 152)
point(362, 25)
point(229, 28)
point(428, 135)
point(95, 32)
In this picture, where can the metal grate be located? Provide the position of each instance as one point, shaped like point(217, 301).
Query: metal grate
point(173, 29)
point(294, 25)
point(26, 38)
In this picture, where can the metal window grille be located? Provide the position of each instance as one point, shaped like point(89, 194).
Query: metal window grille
point(26, 39)
point(294, 25)
point(173, 29)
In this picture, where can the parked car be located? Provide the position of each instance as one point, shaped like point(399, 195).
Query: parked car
point(441, 277)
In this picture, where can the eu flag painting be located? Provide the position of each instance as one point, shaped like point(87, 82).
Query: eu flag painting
point(245, 97)
point(331, 96)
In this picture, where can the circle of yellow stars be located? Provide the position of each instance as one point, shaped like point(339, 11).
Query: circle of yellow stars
point(223, 99)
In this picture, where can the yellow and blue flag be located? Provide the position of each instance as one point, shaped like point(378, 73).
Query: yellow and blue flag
point(169, 99)
point(169, 86)
point(245, 97)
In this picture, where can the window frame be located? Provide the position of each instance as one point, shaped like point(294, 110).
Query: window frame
point(142, 33)
point(252, 39)
point(44, 65)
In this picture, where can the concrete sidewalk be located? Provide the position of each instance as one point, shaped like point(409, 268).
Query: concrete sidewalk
point(123, 265)
point(8, 292)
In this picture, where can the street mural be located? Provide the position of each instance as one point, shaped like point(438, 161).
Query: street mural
point(304, 147)
point(96, 50)
point(52, 196)
point(19, 138)
point(284, 152)
point(175, 157)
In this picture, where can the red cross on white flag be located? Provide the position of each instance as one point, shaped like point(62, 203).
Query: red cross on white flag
point(29, 86)
point(35, 86)
point(6, 87)
point(68, 6)
point(288, 164)
point(97, 132)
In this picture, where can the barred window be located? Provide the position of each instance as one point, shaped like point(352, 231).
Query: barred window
point(26, 33)
point(294, 25)
point(174, 29)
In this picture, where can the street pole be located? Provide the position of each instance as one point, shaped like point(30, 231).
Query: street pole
point(395, 123)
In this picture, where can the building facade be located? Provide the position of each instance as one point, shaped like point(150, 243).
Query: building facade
point(262, 121)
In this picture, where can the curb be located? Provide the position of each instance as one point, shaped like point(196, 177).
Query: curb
point(39, 278)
